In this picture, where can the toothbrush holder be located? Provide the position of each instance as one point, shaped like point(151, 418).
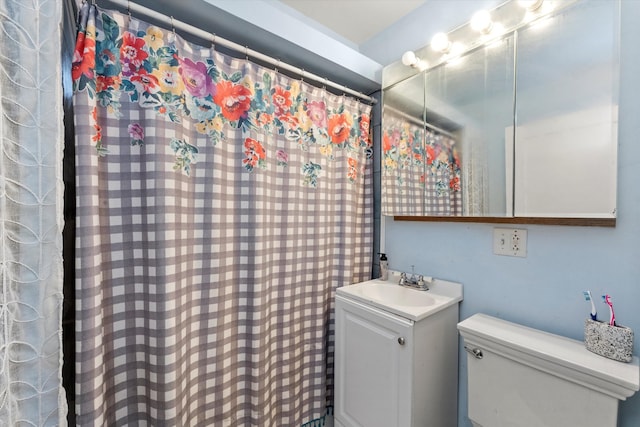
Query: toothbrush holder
point(612, 342)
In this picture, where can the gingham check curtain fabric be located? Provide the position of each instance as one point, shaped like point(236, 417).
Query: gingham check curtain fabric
point(31, 219)
point(420, 170)
point(219, 206)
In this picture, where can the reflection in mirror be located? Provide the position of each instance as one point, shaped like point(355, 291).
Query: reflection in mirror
point(566, 143)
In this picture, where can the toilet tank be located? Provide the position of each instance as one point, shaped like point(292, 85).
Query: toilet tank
point(519, 376)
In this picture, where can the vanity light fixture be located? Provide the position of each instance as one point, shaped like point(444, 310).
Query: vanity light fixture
point(410, 59)
point(481, 22)
point(440, 43)
point(531, 5)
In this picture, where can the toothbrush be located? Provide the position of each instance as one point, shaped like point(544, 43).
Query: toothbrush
point(587, 296)
point(612, 317)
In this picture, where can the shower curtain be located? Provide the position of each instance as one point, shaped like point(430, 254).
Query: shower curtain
point(219, 206)
point(31, 218)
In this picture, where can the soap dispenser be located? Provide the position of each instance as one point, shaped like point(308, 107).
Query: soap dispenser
point(384, 267)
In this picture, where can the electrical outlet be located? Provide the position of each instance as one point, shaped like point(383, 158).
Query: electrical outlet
point(510, 242)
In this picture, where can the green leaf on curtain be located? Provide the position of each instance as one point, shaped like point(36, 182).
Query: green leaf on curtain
point(166, 54)
point(127, 86)
point(149, 100)
point(266, 79)
point(110, 27)
point(154, 62)
point(235, 77)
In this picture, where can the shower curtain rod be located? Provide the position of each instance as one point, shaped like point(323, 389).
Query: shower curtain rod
point(205, 35)
point(418, 121)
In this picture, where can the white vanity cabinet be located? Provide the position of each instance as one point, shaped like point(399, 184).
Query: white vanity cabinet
point(392, 371)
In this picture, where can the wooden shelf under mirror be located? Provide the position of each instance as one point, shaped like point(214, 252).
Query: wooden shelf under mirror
point(581, 222)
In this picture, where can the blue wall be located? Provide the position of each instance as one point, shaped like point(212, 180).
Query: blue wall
point(544, 290)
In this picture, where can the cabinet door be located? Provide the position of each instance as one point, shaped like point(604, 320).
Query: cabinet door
point(373, 359)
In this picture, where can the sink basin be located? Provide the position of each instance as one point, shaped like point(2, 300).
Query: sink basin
point(409, 303)
point(395, 294)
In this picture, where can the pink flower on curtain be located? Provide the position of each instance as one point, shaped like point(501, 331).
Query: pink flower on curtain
point(195, 77)
point(136, 133)
point(340, 127)
point(317, 112)
point(282, 158)
point(234, 100)
point(131, 53)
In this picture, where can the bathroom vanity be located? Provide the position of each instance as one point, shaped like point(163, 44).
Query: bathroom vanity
point(396, 354)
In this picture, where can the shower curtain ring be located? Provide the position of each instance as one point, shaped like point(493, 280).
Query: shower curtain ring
point(246, 53)
point(213, 41)
point(173, 27)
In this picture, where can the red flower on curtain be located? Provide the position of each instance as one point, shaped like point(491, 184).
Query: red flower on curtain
point(431, 154)
point(386, 142)
point(352, 173)
point(454, 184)
point(84, 58)
point(234, 100)
point(281, 100)
point(145, 82)
point(255, 154)
point(107, 82)
point(340, 127)
point(131, 50)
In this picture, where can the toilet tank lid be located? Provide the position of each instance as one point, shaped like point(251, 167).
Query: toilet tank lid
point(558, 355)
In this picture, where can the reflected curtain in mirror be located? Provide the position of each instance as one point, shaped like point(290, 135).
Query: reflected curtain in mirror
point(421, 171)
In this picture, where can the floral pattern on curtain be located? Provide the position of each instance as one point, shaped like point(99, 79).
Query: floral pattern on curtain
point(420, 170)
point(219, 206)
point(31, 220)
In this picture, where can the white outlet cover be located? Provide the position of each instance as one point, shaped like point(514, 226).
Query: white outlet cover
point(510, 242)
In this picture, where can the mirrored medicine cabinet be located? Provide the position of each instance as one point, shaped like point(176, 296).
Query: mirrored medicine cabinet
point(519, 127)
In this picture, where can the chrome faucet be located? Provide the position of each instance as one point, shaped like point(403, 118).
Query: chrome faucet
point(414, 282)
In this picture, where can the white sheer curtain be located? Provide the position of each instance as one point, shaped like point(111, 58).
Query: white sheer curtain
point(31, 221)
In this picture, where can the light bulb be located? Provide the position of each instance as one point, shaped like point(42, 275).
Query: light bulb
point(481, 21)
point(409, 58)
point(531, 4)
point(440, 43)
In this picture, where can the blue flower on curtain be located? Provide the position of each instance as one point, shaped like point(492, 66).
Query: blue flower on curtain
point(150, 70)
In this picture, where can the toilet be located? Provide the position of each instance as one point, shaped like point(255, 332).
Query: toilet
point(521, 377)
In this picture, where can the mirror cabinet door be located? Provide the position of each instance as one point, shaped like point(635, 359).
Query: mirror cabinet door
point(471, 101)
point(566, 109)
